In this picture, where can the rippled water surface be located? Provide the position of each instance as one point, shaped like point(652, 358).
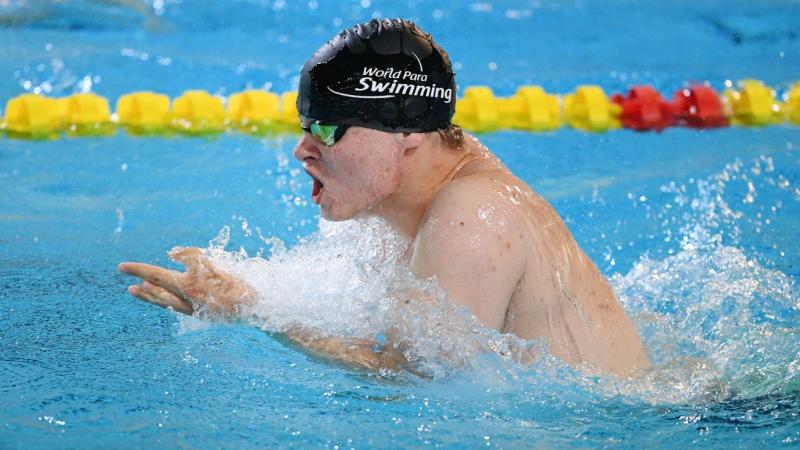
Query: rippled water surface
point(697, 231)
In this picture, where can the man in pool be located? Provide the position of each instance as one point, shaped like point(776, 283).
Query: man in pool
point(376, 103)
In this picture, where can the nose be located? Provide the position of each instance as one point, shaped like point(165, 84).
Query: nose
point(306, 148)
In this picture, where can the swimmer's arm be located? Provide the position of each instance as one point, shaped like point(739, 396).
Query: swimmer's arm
point(203, 286)
point(360, 353)
point(472, 241)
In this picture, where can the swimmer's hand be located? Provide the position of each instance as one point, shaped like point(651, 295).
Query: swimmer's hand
point(201, 288)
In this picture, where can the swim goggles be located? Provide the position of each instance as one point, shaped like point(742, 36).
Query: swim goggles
point(327, 134)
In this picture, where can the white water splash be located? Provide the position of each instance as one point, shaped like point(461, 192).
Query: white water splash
point(348, 280)
point(716, 322)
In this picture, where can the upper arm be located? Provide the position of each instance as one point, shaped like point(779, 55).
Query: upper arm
point(471, 241)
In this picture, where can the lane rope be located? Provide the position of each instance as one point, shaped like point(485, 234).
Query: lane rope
point(196, 113)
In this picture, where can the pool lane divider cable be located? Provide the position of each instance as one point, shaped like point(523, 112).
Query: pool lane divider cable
point(262, 113)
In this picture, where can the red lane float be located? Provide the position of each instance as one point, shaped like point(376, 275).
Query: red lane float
point(748, 103)
point(643, 109)
point(698, 106)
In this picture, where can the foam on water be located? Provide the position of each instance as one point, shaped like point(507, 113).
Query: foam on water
point(710, 314)
point(348, 279)
point(717, 323)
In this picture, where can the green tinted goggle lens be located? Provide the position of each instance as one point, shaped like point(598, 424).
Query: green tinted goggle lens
point(326, 134)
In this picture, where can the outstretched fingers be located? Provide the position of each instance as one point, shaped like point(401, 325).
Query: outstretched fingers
point(169, 279)
point(161, 297)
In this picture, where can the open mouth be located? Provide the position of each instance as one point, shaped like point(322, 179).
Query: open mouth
point(316, 190)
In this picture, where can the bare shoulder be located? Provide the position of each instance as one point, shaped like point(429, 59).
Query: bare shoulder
point(478, 189)
point(492, 198)
point(476, 212)
point(471, 241)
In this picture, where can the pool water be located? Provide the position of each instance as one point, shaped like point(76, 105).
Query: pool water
point(697, 231)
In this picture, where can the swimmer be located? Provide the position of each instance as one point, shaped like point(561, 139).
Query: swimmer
point(376, 104)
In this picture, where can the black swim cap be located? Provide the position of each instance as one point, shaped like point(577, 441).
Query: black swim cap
point(383, 74)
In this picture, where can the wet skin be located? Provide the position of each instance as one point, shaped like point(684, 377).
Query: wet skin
point(497, 246)
point(492, 243)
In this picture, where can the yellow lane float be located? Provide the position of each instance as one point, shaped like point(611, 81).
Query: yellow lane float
point(530, 108)
point(792, 105)
point(477, 111)
point(589, 109)
point(253, 111)
point(32, 116)
point(85, 114)
point(752, 104)
point(198, 113)
point(143, 113)
point(288, 118)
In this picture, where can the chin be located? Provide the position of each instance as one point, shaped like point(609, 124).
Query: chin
point(335, 216)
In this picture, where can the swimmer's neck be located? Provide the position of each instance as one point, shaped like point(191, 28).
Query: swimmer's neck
point(423, 169)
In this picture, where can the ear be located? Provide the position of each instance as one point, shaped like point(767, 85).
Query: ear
point(409, 141)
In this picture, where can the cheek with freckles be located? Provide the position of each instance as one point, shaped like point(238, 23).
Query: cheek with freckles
point(377, 176)
point(365, 176)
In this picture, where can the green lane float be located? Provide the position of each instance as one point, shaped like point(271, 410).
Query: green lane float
point(259, 112)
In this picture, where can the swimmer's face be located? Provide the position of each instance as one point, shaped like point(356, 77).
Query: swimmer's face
point(355, 174)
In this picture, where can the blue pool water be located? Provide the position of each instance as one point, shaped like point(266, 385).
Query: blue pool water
point(697, 231)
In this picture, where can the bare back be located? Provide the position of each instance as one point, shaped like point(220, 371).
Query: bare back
point(556, 292)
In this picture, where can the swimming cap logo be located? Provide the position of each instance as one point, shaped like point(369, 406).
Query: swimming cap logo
point(385, 74)
point(390, 82)
point(359, 96)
